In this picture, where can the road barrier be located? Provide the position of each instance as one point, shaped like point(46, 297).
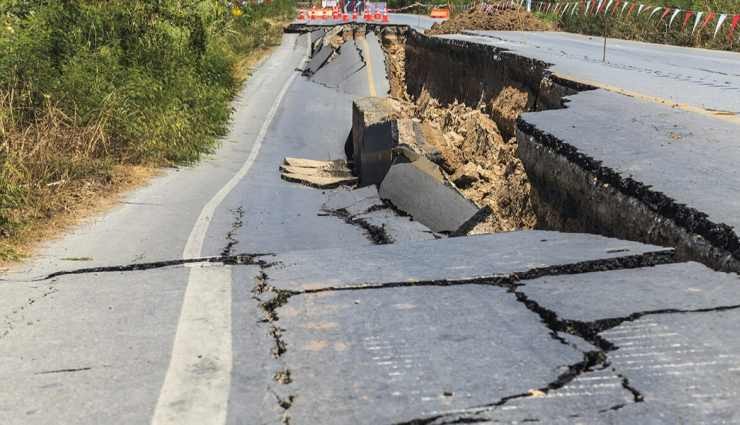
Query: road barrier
point(440, 13)
point(380, 15)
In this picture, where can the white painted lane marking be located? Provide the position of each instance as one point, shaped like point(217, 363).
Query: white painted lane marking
point(194, 244)
point(196, 388)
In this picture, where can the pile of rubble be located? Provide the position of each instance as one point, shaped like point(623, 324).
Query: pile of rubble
point(469, 147)
point(485, 17)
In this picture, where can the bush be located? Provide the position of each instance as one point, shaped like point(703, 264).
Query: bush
point(145, 81)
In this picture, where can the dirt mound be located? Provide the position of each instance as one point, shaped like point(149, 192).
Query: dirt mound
point(479, 161)
point(486, 18)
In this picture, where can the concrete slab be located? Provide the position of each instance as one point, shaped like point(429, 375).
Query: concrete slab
point(318, 59)
point(374, 135)
point(429, 199)
point(375, 51)
point(99, 340)
point(592, 296)
point(355, 201)
point(686, 366)
point(397, 227)
point(364, 204)
point(317, 34)
point(676, 167)
point(585, 400)
point(392, 355)
point(344, 72)
point(702, 78)
point(453, 259)
point(691, 158)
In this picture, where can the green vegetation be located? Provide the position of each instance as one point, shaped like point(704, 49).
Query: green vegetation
point(89, 85)
point(656, 30)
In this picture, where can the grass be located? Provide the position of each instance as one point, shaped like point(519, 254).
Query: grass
point(637, 28)
point(657, 30)
point(96, 94)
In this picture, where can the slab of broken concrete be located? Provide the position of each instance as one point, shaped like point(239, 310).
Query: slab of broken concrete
point(363, 207)
point(391, 153)
point(374, 135)
point(455, 260)
point(419, 188)
point(651, 173)
point(510, 327)
point(317, 174)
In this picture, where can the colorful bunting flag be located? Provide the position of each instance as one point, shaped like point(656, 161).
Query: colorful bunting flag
point(686, 19)
point(696, 22)
point(621, 12)
point(707, 20)
point(734, 23)
point(606, 9)
point(675, 13)
point(665, 13)
point(627, 7)
point(720, 21)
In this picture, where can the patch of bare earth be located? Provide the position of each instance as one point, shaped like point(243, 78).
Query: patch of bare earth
point(485, 17)
point(479, 161)
point(473, 151)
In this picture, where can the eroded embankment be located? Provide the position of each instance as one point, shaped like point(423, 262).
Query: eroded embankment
point(470, 85)
point(473, 115)
point(467, 99)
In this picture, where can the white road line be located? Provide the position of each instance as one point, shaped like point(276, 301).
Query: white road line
point(196, 388)
point(194, 244)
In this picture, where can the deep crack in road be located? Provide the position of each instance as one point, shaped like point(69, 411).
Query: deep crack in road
point(294, 305)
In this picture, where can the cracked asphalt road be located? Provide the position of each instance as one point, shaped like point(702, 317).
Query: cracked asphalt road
point(288, 313)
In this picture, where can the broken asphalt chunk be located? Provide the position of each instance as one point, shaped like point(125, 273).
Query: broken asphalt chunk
point(317, 174)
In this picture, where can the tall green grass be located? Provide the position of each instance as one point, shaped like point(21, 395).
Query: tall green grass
point(657, 30)
point(87, 84)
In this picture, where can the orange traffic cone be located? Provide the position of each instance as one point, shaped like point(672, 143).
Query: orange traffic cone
point(385, 16)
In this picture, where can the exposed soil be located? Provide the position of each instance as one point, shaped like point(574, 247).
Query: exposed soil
point(393, 45)
point(481, 163)
point(487, 18)
point(472, 148)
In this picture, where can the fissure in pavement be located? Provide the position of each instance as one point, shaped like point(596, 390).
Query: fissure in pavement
point(268, 307)
point(592, 360)
point(231, 240)
point(376, 234)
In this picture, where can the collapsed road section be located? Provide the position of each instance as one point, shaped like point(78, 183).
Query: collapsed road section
point(444, 331)
point(434, 332)
point(363, 313)
point(597, 161)
point(544, 151)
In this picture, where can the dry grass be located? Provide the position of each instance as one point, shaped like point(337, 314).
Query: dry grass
point(88, 201)
point(55, 172)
